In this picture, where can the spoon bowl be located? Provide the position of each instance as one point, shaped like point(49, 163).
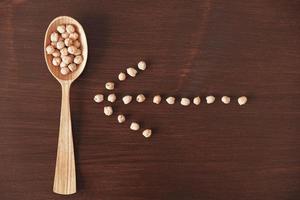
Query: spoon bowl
point(55, 70)
point(65, 174)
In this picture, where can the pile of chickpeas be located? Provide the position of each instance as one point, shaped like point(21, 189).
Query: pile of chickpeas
point(65, 48)
point(156, 99)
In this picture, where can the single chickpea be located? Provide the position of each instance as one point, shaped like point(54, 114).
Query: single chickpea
point(147, 133)
point(65, 35)
point(78, 60)
point(110, 85)
point(131, 71)
point(98, 98)
point(157, 99)
point(210, 99)
point(68, 42)
point(76, 43)
point(170, 100)
point(142, 65)
point(140, 98)
point(72, 49)
point(70, 28)
point(56, 53)
point(60, 45)
point(121, 118)
point(77, 52)
point(67, 59)
point(122, 76)
point(111, 98)
point(197, 100)
point(242, 100)
point(108, 110)
point(225, 99)
point(61, 29)
point(50, 49)
point(64, 70)
point(73, 36)
point(62, 64)
point(127, 99)
point(64, 51)
point(185, 101)
point(134, 126)
point(72, 67)
point(56, 61)
point(54, 37)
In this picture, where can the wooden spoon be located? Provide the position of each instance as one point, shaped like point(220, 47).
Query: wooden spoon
point(65, 175)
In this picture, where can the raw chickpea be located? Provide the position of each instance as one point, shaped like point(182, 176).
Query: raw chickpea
point(70, 28)
point(50, 49)
point(210, 99)
point(65, 35)
point(127, 99)
point(72, 49)
point(225, 99)
point(64, 51)
point(147, 133)
point(170, 100)
point(60, 45)
point(131, 71)
point(67, 59)
point(242, 100)
point(74, 36)
point(77, 52)
point(62, 64)
point(76, 43)
point(108, 111)
point(78, 60)
point(140, 98)
point(121, 118)
point(142, 65)
point(157, 99)
point(56, 53)
point(64, 70)
point(134, 126)
point(54, 37)
point(98, 98)
point(110, 85)
point(68, 42)
point(185, 101)
point(111, 98)
point(122, 76)
point(61, 29)
point(72, 67)
point(197, 101)
point(56, 61)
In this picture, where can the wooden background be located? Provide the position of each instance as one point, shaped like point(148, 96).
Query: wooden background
point(211, 152)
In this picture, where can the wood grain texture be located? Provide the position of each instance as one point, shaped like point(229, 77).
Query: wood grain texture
point(213, 152)
point(65, 175)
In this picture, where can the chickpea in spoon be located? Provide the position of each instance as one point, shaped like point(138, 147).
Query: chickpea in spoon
point(64, 48)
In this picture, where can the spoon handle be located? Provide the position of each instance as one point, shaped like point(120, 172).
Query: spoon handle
point(65, 175)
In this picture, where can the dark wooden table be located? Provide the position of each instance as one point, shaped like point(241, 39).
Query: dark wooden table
point(211, 152)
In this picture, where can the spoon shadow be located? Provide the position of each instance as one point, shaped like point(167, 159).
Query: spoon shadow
point(96, 30)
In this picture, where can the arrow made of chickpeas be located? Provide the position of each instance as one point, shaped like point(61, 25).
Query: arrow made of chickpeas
point(135, 126)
